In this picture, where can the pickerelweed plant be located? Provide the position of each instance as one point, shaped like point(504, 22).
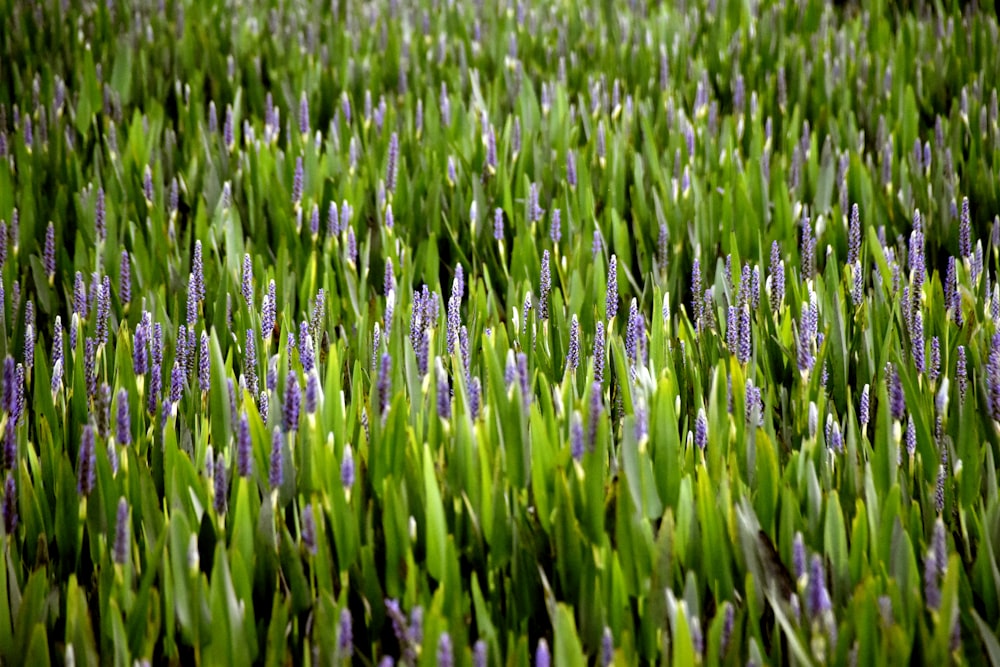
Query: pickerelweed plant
point(499, 333)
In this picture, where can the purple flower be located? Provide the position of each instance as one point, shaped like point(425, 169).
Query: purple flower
point(309, 530)
point(122, 537)
point(204, 365)
point(220, 485)
point(29, 334)
point(611, 301)
point(314, 221)
point(445, 653)
point(176, 383)
point(542, 656)
point(244, 454)
point(805, 356)
point(247, 283)
point(89, 366)
point(99, 216)
point(312, 392)
point(597, 245)
point(697, 305)
point(573, 355)
point(799, 555)
point(332, 220)
point(9, 390)
point(932, 587)
point(607, 647)
point(49, 253)
point(57, 354)
point(935, 370)
point(854, 236)
point(276, 472)
point(268, 312)
point(571, 169)
point(303, 114)
point(963, 376)
point(297, 182)
point(939, 489)
point(857, 292)
point(744, 348)
point(124, 432)
point(384, 387)
point(345, 634)
point(897, 400)
point(818, 596)
point(10, 444)
point(576, 443)
point(917, 342)
point(545, 284)
point(347, 468)
point(10, 504)
point(806, 248)
point(475, 394)
point(498, 224)
point(124, 279)
point(392, 166)
point(86, 462)
point(728, 621)
point(599, 352)
point(864, 407)
point(524, 378)
point(352, 247)
point(198, 271)
point(306, 354)
point(555, 228)
point(80, 304)
point(155, 386)
point(454, 308)
point(290, 408)
point(701, 430)
point(965, 231)
point(479, 654)
point(103, 309)
point(777, 278)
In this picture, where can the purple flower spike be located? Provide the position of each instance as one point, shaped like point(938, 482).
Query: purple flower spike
point(86, 462)
point(571, 169)
point(290, 408)
point(122, 537)
point(599, 352)
point(247, 282)
point(799, 555)
point(309, 530)
point(545, 286)
point(244, 456)
point(697, 305)
point(392, 163)
point(443, 392)
point(275, 474)
point(498, 224)
point(445, 652)
point(204, 365)
point(57, 354)
point(818, 596)
point(345, 634)
point(864, 407)
point(49, 253)
point(303, 114)
point(611, 302)
point(198, 270)
point(854, 236)
point(555, 229)
point(297, 182)
point(124, 432)
point(963, 376)
point(965, 231)
point(99, 215)
point(917, 342)
point(573, 355)
point(332, 221)
point(347, 468)
point(125, 280)
point(312, 392)
point(701, 430)
point(10, 504)
point(542, 656)
point(268, 313)
point(80, 296)
point(384, 384)
point(479, 654)
point(220, 485)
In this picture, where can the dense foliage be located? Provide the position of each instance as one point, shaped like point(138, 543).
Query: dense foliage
point(499, 333)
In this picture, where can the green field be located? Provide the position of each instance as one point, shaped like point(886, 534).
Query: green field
point(499, 333)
